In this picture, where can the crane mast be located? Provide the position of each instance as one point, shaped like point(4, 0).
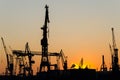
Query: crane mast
point(113, 39)
point(44, 42)
point(5, 51)
point(115, 66)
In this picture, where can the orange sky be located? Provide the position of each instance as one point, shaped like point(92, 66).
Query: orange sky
point(81, 28)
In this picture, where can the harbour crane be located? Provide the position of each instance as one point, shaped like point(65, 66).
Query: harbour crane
point(9, 57)
point(115, 65)
point(30, 55)
point(24, 66)
point(103, 66)
point(20, 63)
point(56, 65)
point(44, 42)
point(64, 60)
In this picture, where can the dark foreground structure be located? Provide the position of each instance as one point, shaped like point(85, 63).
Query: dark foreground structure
point(72, 74)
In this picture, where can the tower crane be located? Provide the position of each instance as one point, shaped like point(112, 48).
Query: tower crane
point(64, 60)
point(9, 69)
point(115, 66)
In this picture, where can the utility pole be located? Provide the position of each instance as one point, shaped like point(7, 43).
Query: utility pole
point(44, 42)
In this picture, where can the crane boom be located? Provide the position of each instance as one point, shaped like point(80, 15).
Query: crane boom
point(113, 39)
point(111, 51)
point(5, 49)
point(64, 60)
point(9, 69)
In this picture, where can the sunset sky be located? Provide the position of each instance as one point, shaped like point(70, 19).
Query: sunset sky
point(81, 28)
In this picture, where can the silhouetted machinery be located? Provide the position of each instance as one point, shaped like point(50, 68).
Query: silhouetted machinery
point(59, 56)
point(44, 42)
point(114, 53)
point(55, 65)
point(64, 60)
point(9, 69)
point(103, 66)
point(111, 52)
point(29, 55)
point(45, 64)
point(81, 63)
point(24, 60)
